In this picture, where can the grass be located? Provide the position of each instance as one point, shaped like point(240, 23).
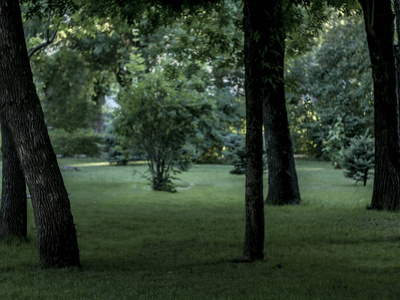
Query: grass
point(139, 244)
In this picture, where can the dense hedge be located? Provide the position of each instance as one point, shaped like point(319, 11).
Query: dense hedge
point(75, 143)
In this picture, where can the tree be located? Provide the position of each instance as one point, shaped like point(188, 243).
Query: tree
point(158, 117)
point(380, 36)
point(329, 89)
point(13, 211)
point(22, 113)
point(397, 50)
point(358, 158)
point(67, 90)
point(255, 23)
point(283, 187)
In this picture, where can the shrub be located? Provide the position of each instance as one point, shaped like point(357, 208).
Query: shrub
point(239, 162)
point(113, 152)
point(358, 158)
point(156, 119)
point(74, 143)
point(237, 155)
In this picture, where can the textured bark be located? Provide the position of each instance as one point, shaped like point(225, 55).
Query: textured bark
point(283, 187)
point(13, 216)
point(380, 32)
point(397, 51)
point(254, 235)
point(21, 111)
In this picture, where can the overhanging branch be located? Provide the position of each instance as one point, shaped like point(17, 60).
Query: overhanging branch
point(48, 41)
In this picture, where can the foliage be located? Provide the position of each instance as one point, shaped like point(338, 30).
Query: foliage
point(216, 86)
point(359, 158)
point(329, 89)
point(235, 154)
point(113, 152)
point(216, 129)
point(195, 42)
point(156, 117)
point(67, 90)
point(75, 143)
point(335, 142)
point(91, 55)
point(239, 162)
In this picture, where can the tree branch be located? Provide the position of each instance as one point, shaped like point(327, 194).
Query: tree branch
point(48, 41)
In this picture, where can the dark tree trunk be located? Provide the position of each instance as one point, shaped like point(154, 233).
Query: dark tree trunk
point(365, 176)
point(283, 187)
point(13, 216)
point(98, 124)
point(254, 23)
point(380, 32)
point(21, 111)
point(397, 51)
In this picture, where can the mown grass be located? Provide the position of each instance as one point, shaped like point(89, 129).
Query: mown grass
point(139, 244)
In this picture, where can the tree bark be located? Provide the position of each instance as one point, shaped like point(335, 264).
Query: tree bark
point(254, 23)
point(380, 32)
point(397, 51)
point(283, 187)
point(21, 111)
point(13, 211)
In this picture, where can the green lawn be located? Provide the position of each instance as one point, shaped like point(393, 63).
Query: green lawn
point(139, 244)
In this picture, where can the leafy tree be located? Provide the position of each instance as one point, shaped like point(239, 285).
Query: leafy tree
point(156, 118)
point(359, 158)
point(330, 89)
point(21, 112)
point(68, 86)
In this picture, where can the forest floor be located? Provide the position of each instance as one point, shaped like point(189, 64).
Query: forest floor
point(139, 244)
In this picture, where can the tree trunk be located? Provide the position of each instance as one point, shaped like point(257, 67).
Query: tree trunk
point(21, 111)
point(254, 23)
point(13, 216)
point(283, 187)
point(98, 124)
point(380, 32)
point(397, 51)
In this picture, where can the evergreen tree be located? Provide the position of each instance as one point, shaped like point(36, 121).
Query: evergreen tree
point(358, 159)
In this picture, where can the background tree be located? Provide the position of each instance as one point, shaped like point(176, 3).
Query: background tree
point(193, 119)
point(359, 158)
point(329, 89)
point(68, 86)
